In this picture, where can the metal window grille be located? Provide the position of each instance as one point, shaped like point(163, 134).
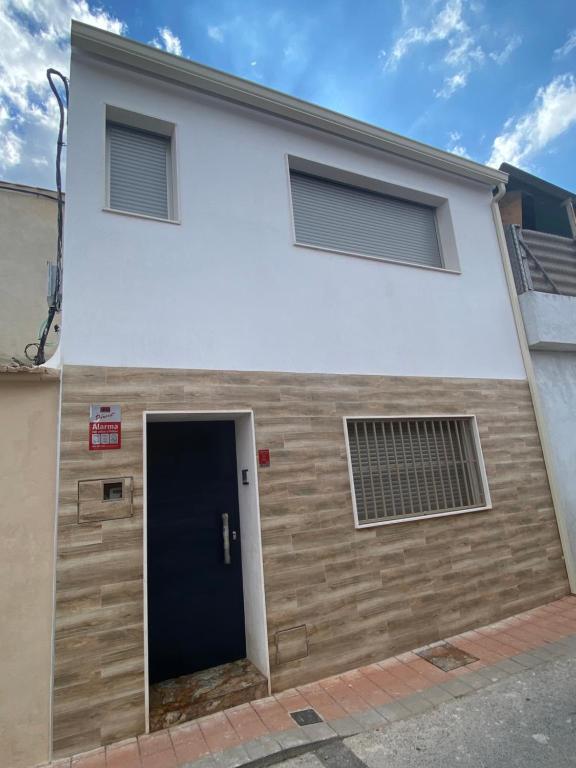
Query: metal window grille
point(413, 466)
point(349, 219)
point(138, 175)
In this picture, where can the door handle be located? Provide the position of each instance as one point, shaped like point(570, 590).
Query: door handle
point(226, 538)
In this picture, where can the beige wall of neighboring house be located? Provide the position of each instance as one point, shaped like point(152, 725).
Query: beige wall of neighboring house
point(27, 242)
point(29, 415)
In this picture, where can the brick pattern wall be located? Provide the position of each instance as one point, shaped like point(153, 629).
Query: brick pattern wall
point(362, 594)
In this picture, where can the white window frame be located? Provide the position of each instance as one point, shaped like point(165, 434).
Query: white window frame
point(151, 124)
point(443, 214)
point(398, 417)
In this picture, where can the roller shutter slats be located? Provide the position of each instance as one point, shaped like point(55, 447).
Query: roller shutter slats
point(344, 218)
point(138, 171)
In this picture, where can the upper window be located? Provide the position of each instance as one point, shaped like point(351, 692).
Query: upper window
point(412, 467)
point(139, 171)
point(340, 217)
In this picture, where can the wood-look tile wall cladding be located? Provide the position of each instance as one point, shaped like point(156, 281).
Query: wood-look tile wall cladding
point(362, 594)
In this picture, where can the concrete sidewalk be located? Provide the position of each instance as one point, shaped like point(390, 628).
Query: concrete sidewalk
point(368, 698)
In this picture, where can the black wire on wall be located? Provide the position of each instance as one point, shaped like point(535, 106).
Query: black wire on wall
point(56, 299)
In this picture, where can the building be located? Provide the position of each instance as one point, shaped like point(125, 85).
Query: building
point(29, 404)
point(296, 430)
point(27, 245)
point(29, 414)
point(540, 225)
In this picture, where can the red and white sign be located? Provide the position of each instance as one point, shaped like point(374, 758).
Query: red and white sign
point(105, 432)
point(264, 457)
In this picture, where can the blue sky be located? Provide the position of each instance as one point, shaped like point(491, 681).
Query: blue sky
point(490, 79)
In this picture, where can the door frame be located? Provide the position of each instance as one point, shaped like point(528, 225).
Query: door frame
point(255, 616)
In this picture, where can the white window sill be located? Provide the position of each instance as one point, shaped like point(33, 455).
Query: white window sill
point(134, 215)
point(320, 248)
point(397, 520)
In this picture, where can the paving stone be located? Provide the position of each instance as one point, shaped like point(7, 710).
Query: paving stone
point(555, 649)
point(262, 747)
point(393, 711)
point(344, 726)
point(417, 703)
point(567, 643)
point(456, 687)
point(493, 674)
point(543, 654)
point(231, 758)
point(292, 738)
point(203, 762)
point(510, 666)
point(558, 647)
point(476, 681)
point(527, 660)
point(369, 719)
point(318, 731)
point(437, 695)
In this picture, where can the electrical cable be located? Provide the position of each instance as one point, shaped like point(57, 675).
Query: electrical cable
point(56, 299)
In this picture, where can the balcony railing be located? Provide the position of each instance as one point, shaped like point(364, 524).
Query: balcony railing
point(542, 262)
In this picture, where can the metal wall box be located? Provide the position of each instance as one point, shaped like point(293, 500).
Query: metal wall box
point(291, 644)
point(109, 498)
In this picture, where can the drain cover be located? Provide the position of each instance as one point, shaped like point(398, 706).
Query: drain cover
point(306, 717)
point(446, 656)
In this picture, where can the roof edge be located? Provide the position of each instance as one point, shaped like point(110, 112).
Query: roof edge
point(522, 176)
point(155, 62)
point(26, 189)
point(38, 373)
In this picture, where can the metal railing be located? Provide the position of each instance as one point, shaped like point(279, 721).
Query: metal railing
point(542, 262)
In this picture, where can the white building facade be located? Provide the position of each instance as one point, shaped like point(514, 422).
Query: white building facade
point(325, 448)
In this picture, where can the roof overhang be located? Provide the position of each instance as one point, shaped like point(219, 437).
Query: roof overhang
point(538, 184)
point(156, 63)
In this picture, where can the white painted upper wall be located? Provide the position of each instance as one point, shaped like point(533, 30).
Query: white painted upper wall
point(227, 288)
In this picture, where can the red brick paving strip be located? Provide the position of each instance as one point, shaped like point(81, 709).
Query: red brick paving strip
point(317, 698)
point(189, 742)
point(218, 732)
point(247, 724)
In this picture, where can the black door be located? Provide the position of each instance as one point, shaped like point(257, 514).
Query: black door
point(195, 599)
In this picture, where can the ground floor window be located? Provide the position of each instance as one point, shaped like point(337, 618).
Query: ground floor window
point(414, 466)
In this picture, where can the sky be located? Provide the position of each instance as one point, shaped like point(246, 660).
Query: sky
point(492, 80)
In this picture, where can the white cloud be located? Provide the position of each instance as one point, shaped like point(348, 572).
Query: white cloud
point(168, 41)
point(216, 34)
point(503, 56)
point(462, 42)
point(568, 46)
point(452, 84)
point(455, 146)
point(10, 150)
point(552, 113)
point(448, 24)
point(35, 35)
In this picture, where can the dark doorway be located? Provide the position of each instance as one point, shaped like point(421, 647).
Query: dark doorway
point(195, 597)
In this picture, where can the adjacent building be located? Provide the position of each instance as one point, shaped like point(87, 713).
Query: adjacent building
point(540, 225)
point(29, 415)
point(296, 431)
point(27, 245)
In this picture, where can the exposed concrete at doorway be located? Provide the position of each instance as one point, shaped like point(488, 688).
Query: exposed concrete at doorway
point(361, 594)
